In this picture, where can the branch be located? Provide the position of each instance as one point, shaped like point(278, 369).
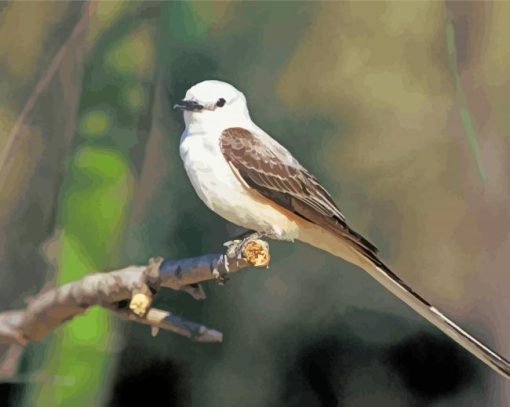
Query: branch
point(129, 293)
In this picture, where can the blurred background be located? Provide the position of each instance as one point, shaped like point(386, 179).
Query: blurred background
point(399, 108)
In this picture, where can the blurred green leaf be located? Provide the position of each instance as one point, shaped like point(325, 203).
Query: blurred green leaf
point(95, 123)
point(94, 208)
point(133, 96)
point(132, 55)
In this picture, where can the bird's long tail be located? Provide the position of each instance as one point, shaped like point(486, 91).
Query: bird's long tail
point(348, 250)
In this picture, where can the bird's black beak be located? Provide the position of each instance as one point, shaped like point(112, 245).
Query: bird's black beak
point(189, 105)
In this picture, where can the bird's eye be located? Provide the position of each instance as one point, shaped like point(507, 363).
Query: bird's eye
point(221, 102)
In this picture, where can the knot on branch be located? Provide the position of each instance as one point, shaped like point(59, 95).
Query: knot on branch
point(140, 303)
point(152, 275)
point(141, 297)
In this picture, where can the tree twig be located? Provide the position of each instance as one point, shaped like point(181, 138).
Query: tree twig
point(128, 292)
point(41, 85)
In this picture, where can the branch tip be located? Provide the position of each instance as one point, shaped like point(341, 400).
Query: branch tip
point(256, 252)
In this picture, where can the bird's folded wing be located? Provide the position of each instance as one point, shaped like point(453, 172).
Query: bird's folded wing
point(270, 169)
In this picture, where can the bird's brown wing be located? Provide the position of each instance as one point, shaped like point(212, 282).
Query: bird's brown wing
point(270, 169)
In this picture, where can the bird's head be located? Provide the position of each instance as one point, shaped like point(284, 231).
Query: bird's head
point(213, 102)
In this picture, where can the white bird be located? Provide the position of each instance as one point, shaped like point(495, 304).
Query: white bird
point(247, 177)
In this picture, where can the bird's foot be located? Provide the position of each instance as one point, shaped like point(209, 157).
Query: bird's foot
point(240, 238)
point(253, 250)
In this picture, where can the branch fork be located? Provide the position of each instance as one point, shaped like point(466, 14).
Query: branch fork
point(129, 292)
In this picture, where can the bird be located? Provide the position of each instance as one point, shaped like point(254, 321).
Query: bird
point(247, 177)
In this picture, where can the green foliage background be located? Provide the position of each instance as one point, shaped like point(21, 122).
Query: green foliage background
point(400, 108)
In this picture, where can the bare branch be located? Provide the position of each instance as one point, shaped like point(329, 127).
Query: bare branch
point(129, 293)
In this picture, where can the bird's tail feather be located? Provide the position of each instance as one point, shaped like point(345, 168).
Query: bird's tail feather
point(368, 261)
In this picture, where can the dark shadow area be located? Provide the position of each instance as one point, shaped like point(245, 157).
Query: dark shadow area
point(432, 367)
point(341, 368)
point(314, 377)
point(155, 381)
point(9, 394)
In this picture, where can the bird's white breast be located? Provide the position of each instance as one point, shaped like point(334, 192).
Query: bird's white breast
point(218, 187)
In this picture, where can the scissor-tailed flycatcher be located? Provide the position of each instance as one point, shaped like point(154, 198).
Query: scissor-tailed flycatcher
point(247, 177)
